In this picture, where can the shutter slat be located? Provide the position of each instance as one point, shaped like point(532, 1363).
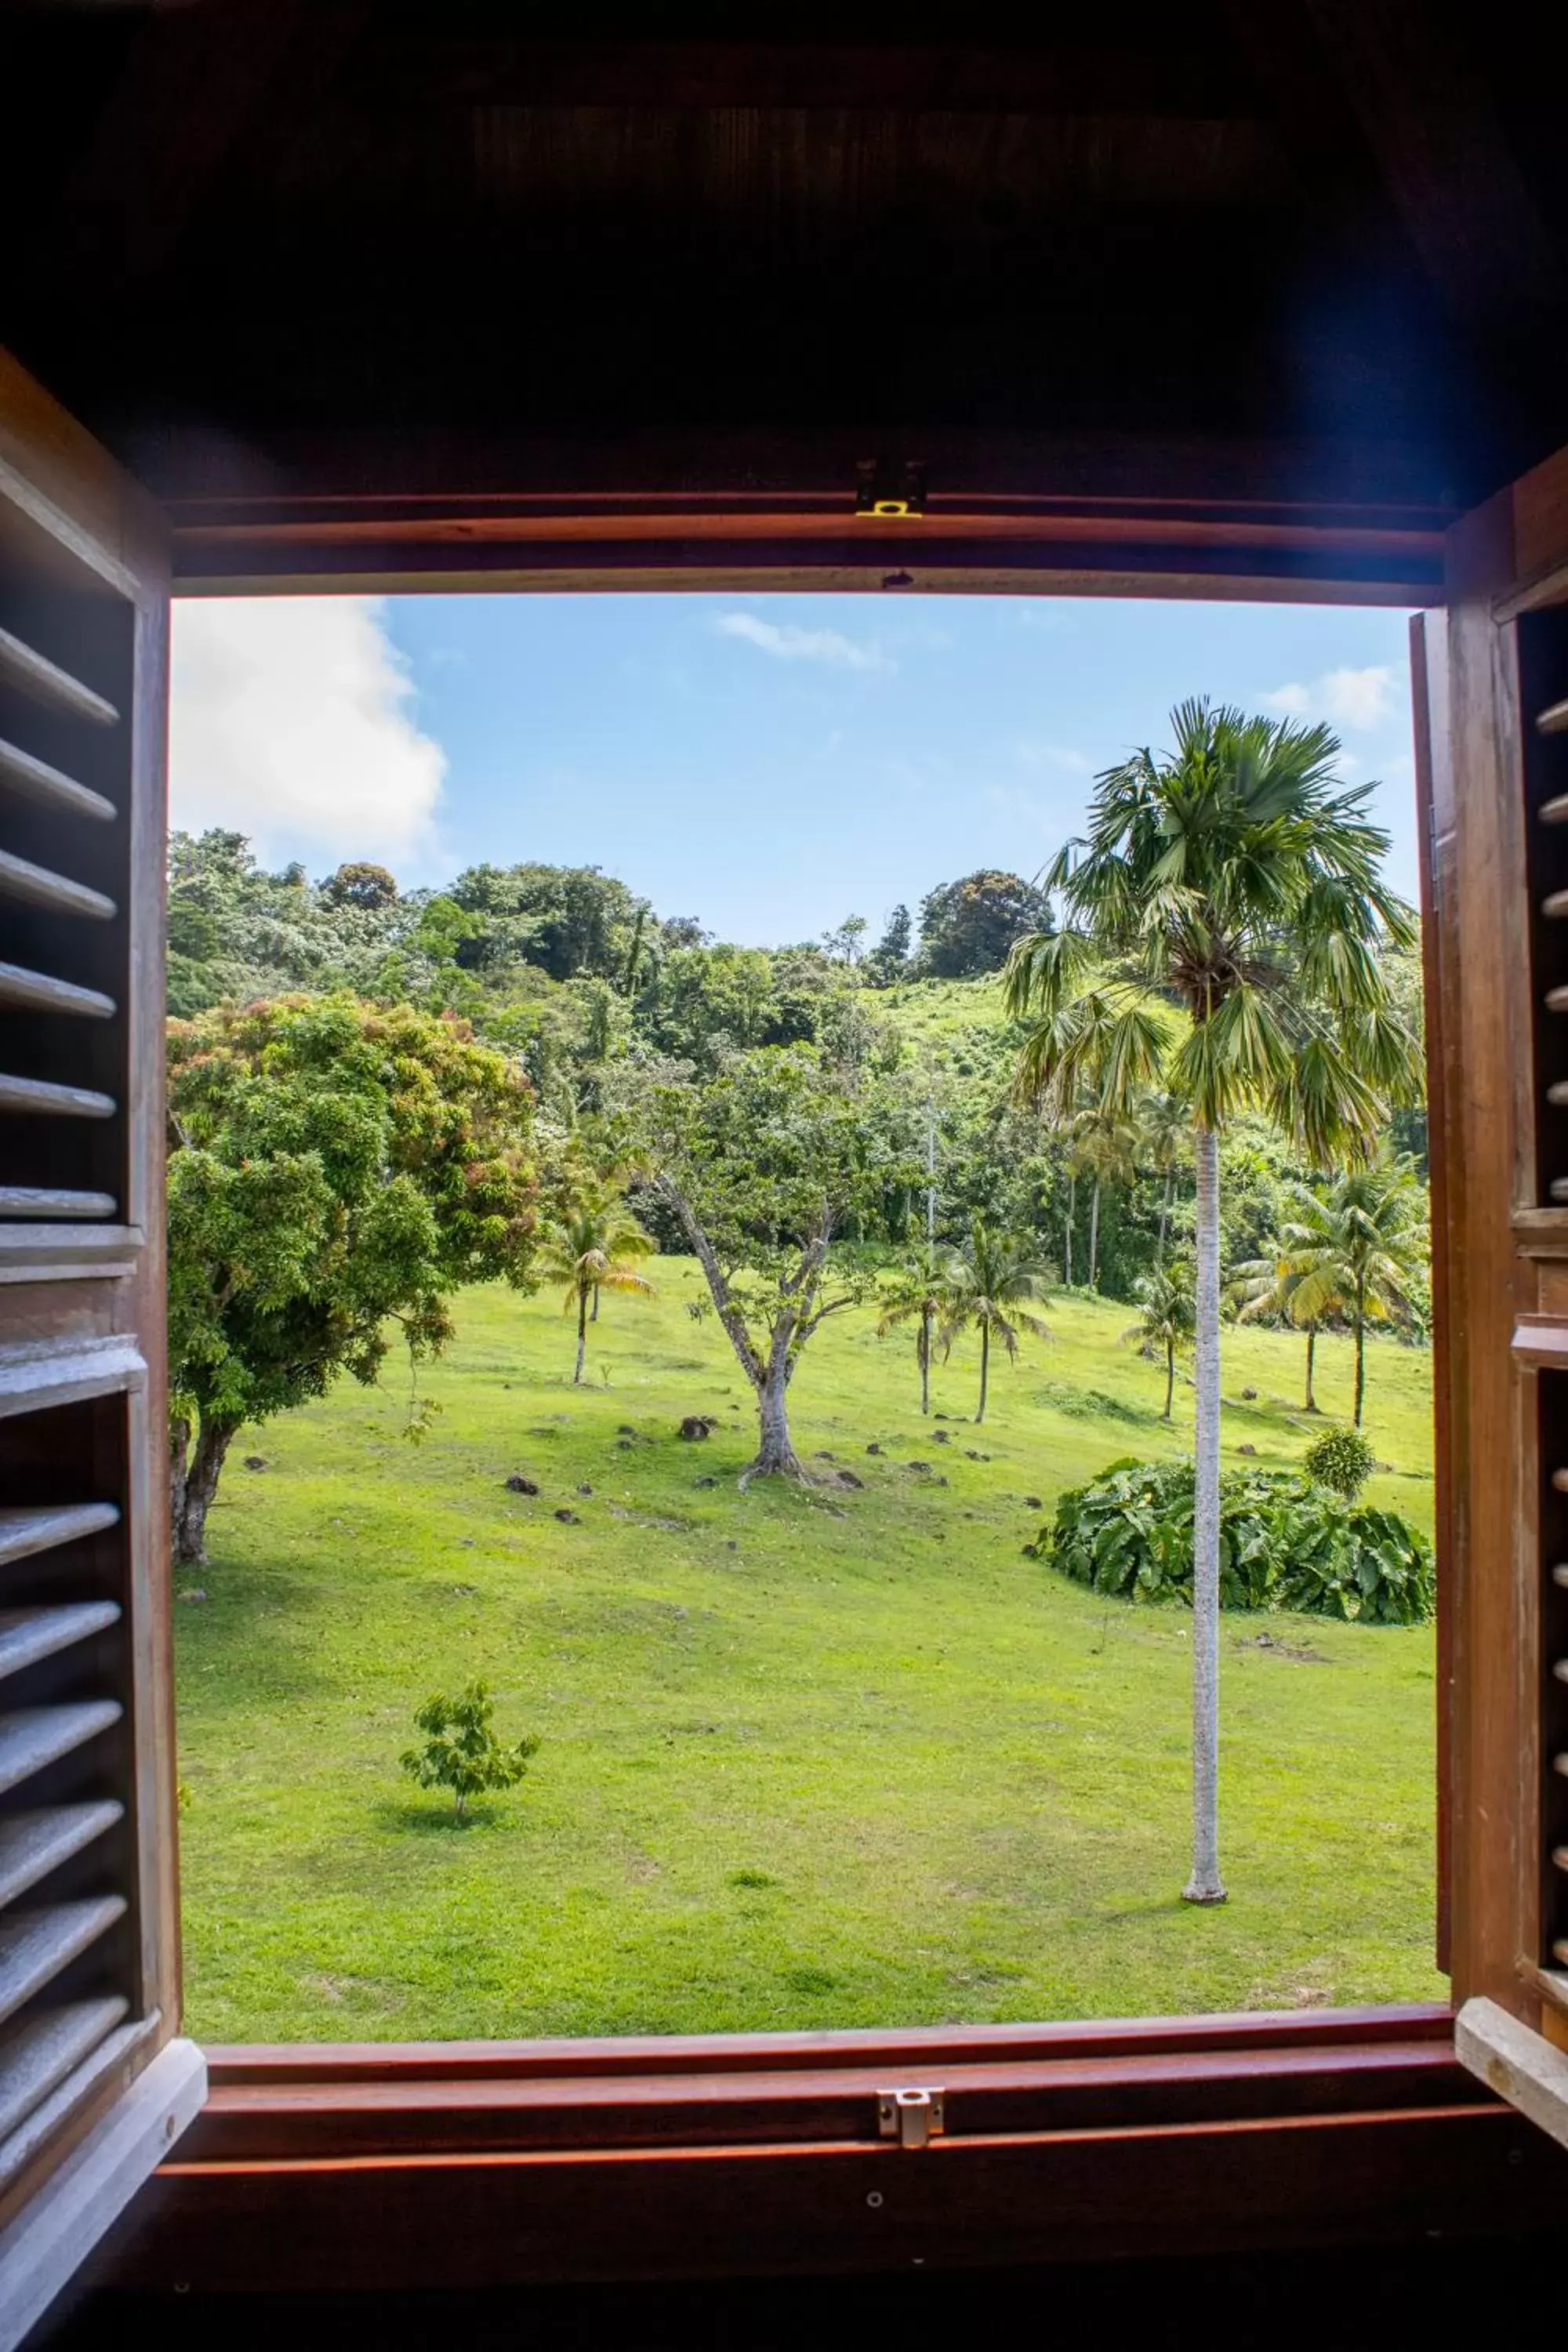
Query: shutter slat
point(35, 1736)
point(39, 781)
point(34, 1844)
point(33, 1376)
point(47, 682)
point(39, 1094)
point(38, 1200)
point(40, 991)
point(23, 1532)
point(38, 885)
point(1555, 721)
point(28, 1635)
point(35, 1946)
point(37, 2053)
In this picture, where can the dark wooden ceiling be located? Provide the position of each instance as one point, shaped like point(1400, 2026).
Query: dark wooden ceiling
point(1334, 232)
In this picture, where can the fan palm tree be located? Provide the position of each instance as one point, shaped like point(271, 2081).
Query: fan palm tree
point(1103, 1147)
point(594, 1248)
point(920, 1293)
point(991, 1278)
point(1221, 941)
point(1270, 1286)
point(1354, 1247)
point(1165, 1317)
point(1162, 1128)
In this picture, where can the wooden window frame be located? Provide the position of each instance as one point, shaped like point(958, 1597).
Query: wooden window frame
point(388, 2165)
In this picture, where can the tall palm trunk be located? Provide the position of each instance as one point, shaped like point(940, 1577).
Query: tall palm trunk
point(594, 1317)
point(582, 1330)
point(1360, 1349)
point(984, 1369)
point(1094, 1237)
point(925, 1359)
point(1311, 1405)
point(1066, 1235)
point(1165, 1215)
point(1206, 1886)
point(1170, 1377)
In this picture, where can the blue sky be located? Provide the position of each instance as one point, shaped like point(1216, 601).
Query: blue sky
point(769, 764)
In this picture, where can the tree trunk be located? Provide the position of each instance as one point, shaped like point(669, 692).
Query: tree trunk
point(179, 1449)
point(1360, 1349)
point(594, 1317)
point(1094, 1237)
point(984, 1369)
point(1311, 1405)
point(1206, 1886)
point(582, 1334)
point(1165, 1215)
point(1066, 1235)
point(925, 1360)
point(1170, 1378)
point(195, 1490)
point(776, 1456)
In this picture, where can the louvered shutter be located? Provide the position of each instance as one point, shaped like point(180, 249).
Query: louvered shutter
point(94, 2083)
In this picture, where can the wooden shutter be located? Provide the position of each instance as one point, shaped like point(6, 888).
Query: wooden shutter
point(1491, 672)
point(94, 2083)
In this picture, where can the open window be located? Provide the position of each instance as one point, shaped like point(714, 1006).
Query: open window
point(431, 2165)
point(95, 2082)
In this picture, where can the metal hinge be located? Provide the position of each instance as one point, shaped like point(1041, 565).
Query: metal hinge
point(912, 2117)
point(889, 491)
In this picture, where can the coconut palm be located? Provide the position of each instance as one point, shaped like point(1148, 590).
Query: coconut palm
point(1353, 1248)
point(594, 1248)
point(1223, 923)
point(919, 1292)
point(991, 1278)
point(1162, 1128)
point(1165, 1316)
point(1270, 1286)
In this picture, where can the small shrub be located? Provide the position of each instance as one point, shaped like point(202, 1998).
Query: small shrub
point(1341, 1459)
point(1285, 1542)
point(461, 1751)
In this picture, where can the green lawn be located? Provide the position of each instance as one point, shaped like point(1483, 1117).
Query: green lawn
point(837, 1757)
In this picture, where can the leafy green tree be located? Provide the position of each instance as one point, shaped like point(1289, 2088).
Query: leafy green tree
point(359, 884)
point(968, 926)
point(565, 919)
point(1357, 1247)
point(1342, 1459)
point(1222, 939)
point(918, 1292)
point(335, 1172)
point(766, 1168)
point(461, 1751)
point(595, 1246)
point(889, 959)
point(1166, 1313)
point(990, 1279)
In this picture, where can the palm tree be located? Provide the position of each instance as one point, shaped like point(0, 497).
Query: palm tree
point(919, 1292)
point(1270, 1286)
point(1354, 1246)
point(991, 1277)
point(1163, 1125)
point(594, 1248)
point(1222, 939)
point(1165, 1315)
point(1103, 1142)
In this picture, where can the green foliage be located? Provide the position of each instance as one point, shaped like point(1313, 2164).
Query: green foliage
point(461, 1751)
point(1285, 1542)
point(1342, 1459)
point(969, 926)
point(335, 1170)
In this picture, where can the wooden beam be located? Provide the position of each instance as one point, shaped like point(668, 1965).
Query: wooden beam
point(195, 79)
point(1429, 121)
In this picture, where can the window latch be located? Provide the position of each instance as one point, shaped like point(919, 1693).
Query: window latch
point(913, 2117)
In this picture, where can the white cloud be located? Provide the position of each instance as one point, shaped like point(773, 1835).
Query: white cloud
point(786, 641)
point(289, 721)
point(1362, 698)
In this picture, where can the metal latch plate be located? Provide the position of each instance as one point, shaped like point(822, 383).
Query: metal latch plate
point(912, 2117)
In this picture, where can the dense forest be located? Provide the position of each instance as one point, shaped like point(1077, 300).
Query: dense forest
point(572, 973)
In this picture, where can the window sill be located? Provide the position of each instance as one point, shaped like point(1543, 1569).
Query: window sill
point(367, 2167)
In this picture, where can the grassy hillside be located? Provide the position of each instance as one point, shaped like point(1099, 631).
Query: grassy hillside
point(825, 1758)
